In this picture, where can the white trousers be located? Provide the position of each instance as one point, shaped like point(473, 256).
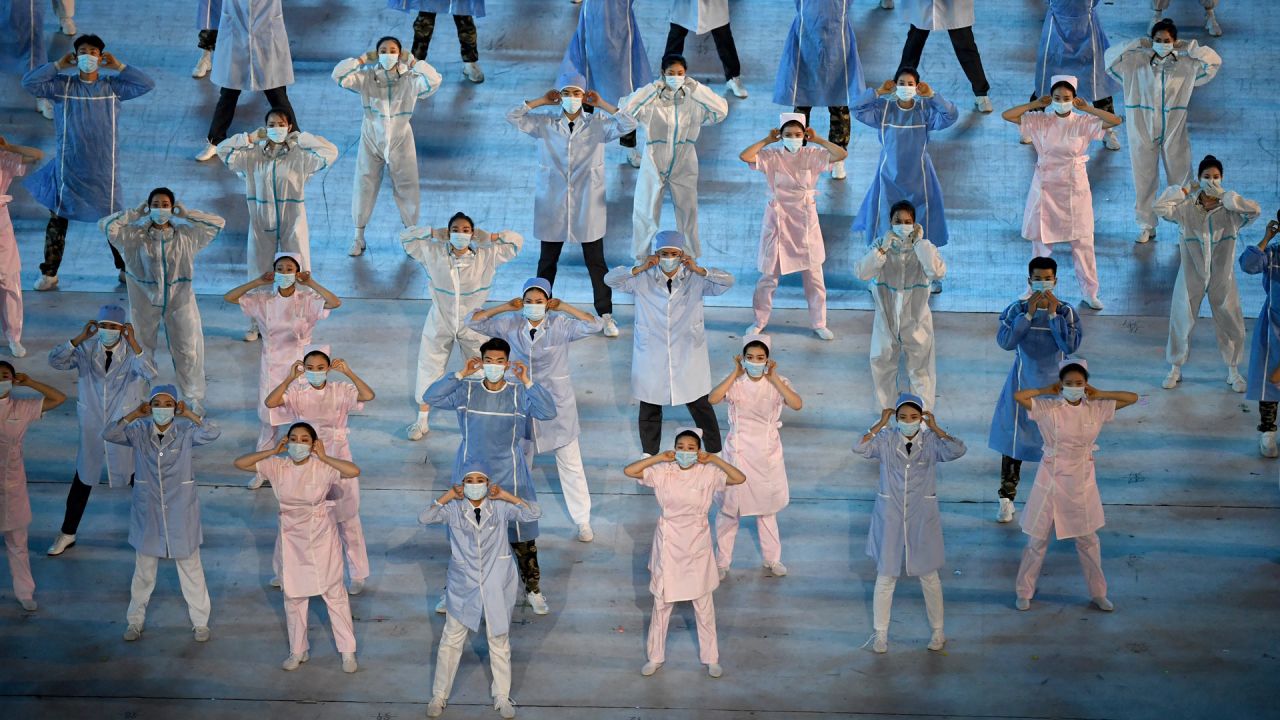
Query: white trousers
point(704, 613)
point(1145, 158)
point(573, 481)
point(371, 164)
point(1088, 548)
point(183, 333)
point(15, 545)
point(1085, 262)
point(451, 640)
point(64, 8)
point(190, 577)
point(882, 602)
point(815, 296)
point(433, 351)
point(262, 246)
point(339, 604)
point(1189, 290)
point(646, 213)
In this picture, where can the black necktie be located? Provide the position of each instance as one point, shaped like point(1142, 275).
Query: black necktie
point(668, 286)
point(570, 127)
point(908, 448)
point(532, 332)
point(477, 516)
point(107, 368)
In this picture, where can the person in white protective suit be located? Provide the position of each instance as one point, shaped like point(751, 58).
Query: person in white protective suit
point(113, 375)
point(1210, 218)
point(672, 111)
point(390, 82)
point(275, 162)
point(1159, 74)
point(899, 267)
point(1210, 17)
point(159, 261)
point(460, 261)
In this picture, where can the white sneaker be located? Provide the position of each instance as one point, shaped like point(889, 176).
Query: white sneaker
point(251, 335)
point(349, 662)
point(1267, 445)
point(584, 533)
point(1022, 603)
point(61, 544)
point(1146, 235)
point(824, 334)
point(634, 158)
point(1103, 604)
point(504, 707)
point(610, 327)
point(472, 72)
point(436, 707)
point(714, 670)
point(722, 573)
point(886, 4)
point(255, 482)
point(68, 26)
point(881, 642)
point(47, 282)
point(1211, 24)
point(16, 349)
point(538, 602)
point(1006, 511)
point(734, 86)
point(1094, 302)
point(982, 103)
point(752, 330)
point(776, 569)
point(935, 287)
point(650, 668)
point(838, 171)
point(209, 152)
point(417, 431)
point(29, 605)
point(357, 587)
point(357, 245)
point(937, 641)
point(1171, 380)
point(293, 661)
point(1236, 380)
point(1110, 140)
point(203, 65)
point(201, 634)
point(441, 608)
point(275, 582)
point(45, 108)
point(133, 632)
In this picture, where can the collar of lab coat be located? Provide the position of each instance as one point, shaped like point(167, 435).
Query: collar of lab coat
point(169, 434)
point(916, 441)
point(682, 273)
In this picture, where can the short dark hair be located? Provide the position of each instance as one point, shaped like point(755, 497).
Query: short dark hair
point(461, 216)
point(321, 353)
point(385, 38)
point(1073, 366)
point(162, 191)
point(283, 112)
point(1165, 24)
point(902, 205)
point(12, 370)
point(688, 433)
point(672, 59)
point(1209, 161)
point(496, 344)
point(90, 40)
point(756, 343)
point(1042, 263)
point(915, 74)
point(305, 426)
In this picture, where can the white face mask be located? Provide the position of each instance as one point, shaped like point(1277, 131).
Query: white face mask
point(160, 216)
point(675, 82)
point(669, 264)
point(1073, 394)
point(86, 63)
point(534, 312)
point(906, 92)
point(686, 458)
point(162, 415)
point(475, 491)
point(1062, 108)
point(792, 144)
point(754, 369)
point(317, 378)
point(284, 281)
point(1211, 186)
point(459, 241)
point(494, 372)
point(1162, 49)
point(108, 336)
point(5, 387)
point(909, 429)
point(277, 134)
point(904, 230)
point(570, 105)
point(298, 451)
point(1042, 285)
point(388, 61)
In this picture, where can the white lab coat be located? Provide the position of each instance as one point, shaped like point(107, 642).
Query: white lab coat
point(253, 48)
point(700, 16)
point(672, 122)
point(938, 14)
point(899, 281)
point(669, 361)
point(386, 137)
point(102, 397)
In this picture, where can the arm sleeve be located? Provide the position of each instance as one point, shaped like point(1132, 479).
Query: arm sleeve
point(650, 476)
point(141, 366)
point(527, 122)
point(318, 153)
point(621, 279)
point(119, 229)
point(118, 433)
point(868, 109)
point(716, 282)
point(1041, 407)
point(64, 357)
point(575, 329)
point(506, 245)
point(930, 259)
point(1172, 204)
point(205, 227)
point(528, 512)
point(1121, 59)
point(1065, 327)
point(426, 78)
point(443, 392)
point(869, 448)
point(870, 264)
point(538, 402)
point(712, 106)
point(1105, 411)
point(640, 103)
point(435, 514)
point(349, 76)
point(131, 83)
point(1208, 59)
point(619, 124)
point(946, 450)
point(204, 433)
point(489, 327)
point(237, 152)
point(1247, 209)
point(1014, 326)
point(1252, 261)
point(939, 112)
point(418, 243)
point(43, 81)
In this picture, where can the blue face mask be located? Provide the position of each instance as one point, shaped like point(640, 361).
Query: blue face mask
point(669, 264)
point(162, 415)
point(277, 134)
point(1073, 394)
point(475, 491)
point(108, 336)
point(86, 63)
point(909, 428)
point(317, 378)
point(675, 82)
point(284, 281)
point(1042, 285)
point(534, 312)
point(686, 458)
point(754, 369)
point(494, 372)
point(160, 216)
point(792, 144)
point(299, 451)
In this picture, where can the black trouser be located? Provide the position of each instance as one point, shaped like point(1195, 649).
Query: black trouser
point(207, 39)
point(704, 416)
point(628, 140)
point(593, 256)
point(55, 243)
point(77, 499)
point(841, 121)
point(966, 52)
point(1010, 474)
point(225, 111)
point(527, 564)
point(424, 27)
point(725, 48)
point(1267, 415)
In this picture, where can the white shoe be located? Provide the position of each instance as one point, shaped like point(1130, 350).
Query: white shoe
point(251, 335)
point(610, 327)
point(935, 287)
point(203, 65)
point(1236, 380)
point(436, 707)
point(1267, 445)
point(1103, 604)
point(982, 103)
point(777, 569)
point(584, 533)
point(538, 602)
point(47, 282)
point(1171, 380)
point(734, 86)
point(16, 349)
point(1110, 140)
point(824, 334)
point(1094, 302)
point(208, 153)
point(45, 108)
point(886, 4)
point(937, 641)
point(722, 573)
point(29, 605)
point(133, 632)
point(417, 431)
point(61, 544)
point(504, 707)
point(68, 26)
point(1022, 603)
point(275, 582)
point(714, 670)
point(255, 482)
point(752, 330)
point(201, 634)
point(650, 668)
point(441, 608)
point(838, 171)
point(357, 246)
point(1006, 511)
point(1146, 235)
point(1211, 24)
point(293, 661)
point(634, 158)
point(881, 642)
point(349, 662)
point(472, 72)
point(357, 587)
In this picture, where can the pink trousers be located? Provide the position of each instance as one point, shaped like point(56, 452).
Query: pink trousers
point(15, 544)
point(1086, 264)
point(295, 615)
point(727, 533)
point(815, 294)
point(704, 613)
point(11, 308)
point(1087, 547)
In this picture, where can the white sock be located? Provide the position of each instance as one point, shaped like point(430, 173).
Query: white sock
point(422, 417)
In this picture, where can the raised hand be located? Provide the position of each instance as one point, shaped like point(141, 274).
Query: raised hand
point(297, 370)
point(21, 379)
point(317, 448)
point(473, 365)
point(770, 367)
point(260, 133)
point(515, 303)
point(304, 277)
point(923, 90)
point(668, 456)
point(90, 328)
point(267, 278)
point(1043, 101)
point(520, 371)
point(110, 62)
point(887, 87)
point(591, 98)
point(370, 57)
point(553, 304)
point(341, 366)
point(495, 491)
point(810, 135)
point(282, 446)
point(551, 97)
point(68, 60)
point(1080, 103)
point(704, 457)
point(127, 333)
point(737, 365)
point(774, 135)
point(1090, 391)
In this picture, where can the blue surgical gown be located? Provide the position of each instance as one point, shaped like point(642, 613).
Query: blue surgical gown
point(1264, 357)
point(1074, 43)
point(607, 50)
point(820, 66)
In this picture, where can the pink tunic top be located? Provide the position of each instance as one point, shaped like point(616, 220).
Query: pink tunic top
point(1060, 204)
point(790, 237)
point(326, 410)
point(286, 324)
point(681, 564)
point(311, 555)
point(16, 414)
point(10, 266)
point(1065, 495)
point(754, 446)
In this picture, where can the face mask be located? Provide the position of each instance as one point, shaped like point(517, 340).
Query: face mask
point(388, 61)
point(108, 336)
point(160, 216)
point(277, 134)
point(675, 82)
point(1213, 186)
point(316, 377)
point(162, 416)
point(1073, 394)
point(792, 144)
point(284, 281)
point(86, 63)
point(475, 491)
point(906, 92)
point(534, 312)
point(909, 428)
point(299, 451)
point(754, 369)
point(571, 105)
point(1041, 285)
point(5, 387)
point(669, 264)
point(686, 458)
point(460, 241)
point(494, 372)
point(904, 231)
point(1062, 108)
point(1162, 49)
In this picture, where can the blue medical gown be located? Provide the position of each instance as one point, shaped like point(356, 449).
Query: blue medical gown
point(1264, 357)
point(22, 41)
point(607, 50)
point(1074, 43)
point(820, 66)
